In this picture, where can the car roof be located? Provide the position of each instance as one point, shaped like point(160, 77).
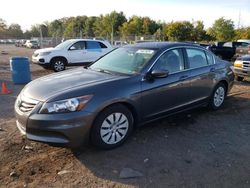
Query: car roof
point(163, 45)
point(76, 40)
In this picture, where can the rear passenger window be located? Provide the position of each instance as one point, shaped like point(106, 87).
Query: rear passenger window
point(93, 45)
point(102, 45)
point(210, 58)
point(171, 60)
point(196, 58)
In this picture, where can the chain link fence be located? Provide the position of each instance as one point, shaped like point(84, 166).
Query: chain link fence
point(117, 40)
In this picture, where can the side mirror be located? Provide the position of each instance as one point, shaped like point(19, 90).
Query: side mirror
point(72, 48)
point(159, 73)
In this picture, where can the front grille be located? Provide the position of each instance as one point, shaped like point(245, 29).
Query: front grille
point(246, 65)
point(26, 107)
point(26, 104)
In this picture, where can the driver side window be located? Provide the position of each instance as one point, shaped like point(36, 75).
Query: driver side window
point(78, 46)
point(171, 60)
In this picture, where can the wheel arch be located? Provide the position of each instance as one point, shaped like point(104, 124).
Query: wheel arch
point(59, 57)
point(127, 104)
point(225, 84)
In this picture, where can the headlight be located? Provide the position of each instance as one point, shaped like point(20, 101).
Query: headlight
point(67, 105)
point(238, 64)
point(44, 53)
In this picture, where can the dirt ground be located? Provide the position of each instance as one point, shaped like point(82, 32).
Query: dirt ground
point(196, 149)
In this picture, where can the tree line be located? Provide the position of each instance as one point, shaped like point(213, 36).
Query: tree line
point(116, 24)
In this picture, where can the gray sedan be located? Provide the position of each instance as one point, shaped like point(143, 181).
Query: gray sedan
point(128, 87)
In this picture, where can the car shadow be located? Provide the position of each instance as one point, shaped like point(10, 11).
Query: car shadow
point(176, 151)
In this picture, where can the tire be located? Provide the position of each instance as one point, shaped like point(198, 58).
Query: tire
point(112, 127)
point(218, 97)
point(58, 64)
point(239, 78)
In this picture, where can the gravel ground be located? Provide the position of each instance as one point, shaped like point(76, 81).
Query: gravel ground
point(199, 148)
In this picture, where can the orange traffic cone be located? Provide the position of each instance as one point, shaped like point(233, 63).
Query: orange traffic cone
point(5, 90)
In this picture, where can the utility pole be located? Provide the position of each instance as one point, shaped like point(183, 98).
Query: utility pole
point(112, 33)
point(239, 20)
point(41, 37)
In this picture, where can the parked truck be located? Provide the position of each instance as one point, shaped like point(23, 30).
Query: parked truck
point(227, 50)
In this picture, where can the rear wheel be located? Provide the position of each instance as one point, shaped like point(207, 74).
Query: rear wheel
point(218, 97)
point(58, 64)
point(239, 78)
point(112, 127)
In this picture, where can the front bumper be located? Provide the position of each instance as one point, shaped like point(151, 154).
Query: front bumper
point(70, 129)
point(41, 60)
point(241, 71)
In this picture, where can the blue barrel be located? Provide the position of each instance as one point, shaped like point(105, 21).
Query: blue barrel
point(20, 69)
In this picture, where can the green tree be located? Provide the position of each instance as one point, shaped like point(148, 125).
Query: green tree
point(242, 33)
point(88, 30)
point(3, 28)
point(56, 28)
point(199, 33)
point(15, 31)
point(133, 27)
point(179, 31)
point(222, 30)
point(109, 24)
point(3, 25)
point(149, 27)
point(35, 31)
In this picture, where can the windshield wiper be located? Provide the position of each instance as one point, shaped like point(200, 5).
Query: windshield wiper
point(101, 70)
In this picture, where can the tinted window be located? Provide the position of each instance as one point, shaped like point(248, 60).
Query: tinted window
point(171, 60)
point(93, 45)
point(210, 58)
point(196, 58)
point(243, 44)
point(79, 45)
point(102, 45)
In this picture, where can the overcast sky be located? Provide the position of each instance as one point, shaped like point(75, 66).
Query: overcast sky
point(29, 12)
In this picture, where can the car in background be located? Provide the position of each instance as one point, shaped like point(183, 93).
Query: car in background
point(242, 67)
point(118, 44)
point(128, 87)
point(226, 50)
point(244, 40)
point(2, 41)
point(32, 44)
point(71, 52)
point(22, 42)
point(18, 43)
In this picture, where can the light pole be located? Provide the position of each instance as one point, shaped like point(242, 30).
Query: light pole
point(112, 34)
point(41, 35)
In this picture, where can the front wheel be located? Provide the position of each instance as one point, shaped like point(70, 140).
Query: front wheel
point(112, 127)
point(218, 97)
point(58, 65)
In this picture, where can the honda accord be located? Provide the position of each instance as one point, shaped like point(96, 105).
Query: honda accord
point(128, 87)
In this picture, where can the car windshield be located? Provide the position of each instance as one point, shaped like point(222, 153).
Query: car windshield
point(124, 60)
point(64, 44)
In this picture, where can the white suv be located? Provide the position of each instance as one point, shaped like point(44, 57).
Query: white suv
point(71, 52)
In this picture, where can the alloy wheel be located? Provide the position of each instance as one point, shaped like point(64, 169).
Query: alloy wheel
point(59, 66)
point(219, 96)
point(114, 128)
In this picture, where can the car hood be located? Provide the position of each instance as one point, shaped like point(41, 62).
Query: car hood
point(46, 50)
point(52, 85)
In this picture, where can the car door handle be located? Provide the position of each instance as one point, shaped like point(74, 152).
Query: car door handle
point(183, 77)
point(212, 70)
